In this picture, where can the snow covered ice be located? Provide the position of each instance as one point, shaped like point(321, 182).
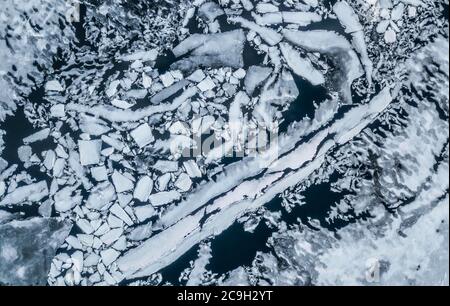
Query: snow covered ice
point(307, 138)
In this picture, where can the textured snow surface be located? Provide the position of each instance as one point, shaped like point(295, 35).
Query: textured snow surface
point(231, 142)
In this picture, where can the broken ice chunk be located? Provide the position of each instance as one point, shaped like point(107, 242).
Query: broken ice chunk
point(112, 89)
point(58, 167)
point(347, 17)
point(24, 153)
point(136, 64)
point(183, 182)
point(192, 169)
point(53, 86)
point(142, 135)
point(86, 240)
point(256, 75)
point(197, 76)
point(121, 182)
point(64, 199)
point(412, 11)
point(45, 209)
point(335, 46)
point(89, 151)
point(74, 242)
point(109, 256)
point(206, 123)
point(121, 214)
point(111, 236)
point(164, 197)
point(301, 66)
point(2, 188)
point(178, 128)
point(167, 79)
point(93, 128)
point(120, 244)
point(91, 260)
point(121, 104)
point(209, 11)
point(162, 182)
point(168, 92)
point(103, 229)
point(269, 35)
point(382, 26)
point(100, 196)
point(109, 279)
point(124, 199)
point(141, 232)
point(177, 74)
point(144, 213)
point(113, 142)
point(58, 110)
point(29, 193)
point(268, 19)
point(280, 90)
point(146, 81)
point(390, 36)
point(40, 135)
point(239, 74)
point(97, 243)
point(247, 4)
point(114, 222)
point(189, 14)
point(266, 8)
point(85, 226)
point(350, 21)
point(301, 18)
point(143, 56)
point(397, 12)
point(143, 188)
point(206, 84)
point(100, 173)
point(165, 166)
point(61, 152)
point(137, 94)
point(211, 50)
point(50, 158)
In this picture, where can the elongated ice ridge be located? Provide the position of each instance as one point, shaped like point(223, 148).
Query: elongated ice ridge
point(124, 115)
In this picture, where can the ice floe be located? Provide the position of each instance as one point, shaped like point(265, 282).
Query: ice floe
point(117, 145)
point(143, 189)
point(142, 135)
point(26, 194)
point(121, 182)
